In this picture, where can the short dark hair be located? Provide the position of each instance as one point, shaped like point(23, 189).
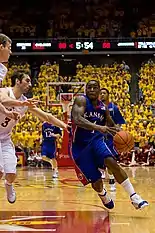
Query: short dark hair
point(105, 89)
point(93, 80)
point(18, 75)
point(4, 39)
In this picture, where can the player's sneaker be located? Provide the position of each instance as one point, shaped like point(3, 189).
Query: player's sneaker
point(55, 173)
point(138, 202)
point(112, 187)
point(106, 200)
point(11, 195)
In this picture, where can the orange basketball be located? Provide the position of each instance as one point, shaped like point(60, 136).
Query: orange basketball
point(123, 141)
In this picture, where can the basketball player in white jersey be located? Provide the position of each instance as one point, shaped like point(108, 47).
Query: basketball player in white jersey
point(21, 83)
point(5, 52)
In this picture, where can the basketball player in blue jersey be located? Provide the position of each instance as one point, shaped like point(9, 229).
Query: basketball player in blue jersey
point(118, 120)
point(90, 120)
point(50, 134)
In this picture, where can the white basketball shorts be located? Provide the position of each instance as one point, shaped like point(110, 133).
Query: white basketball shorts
point(8, 159)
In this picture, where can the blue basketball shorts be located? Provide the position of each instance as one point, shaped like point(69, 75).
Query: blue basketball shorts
point(110, 144)
point(89, 158)
point(48, 150)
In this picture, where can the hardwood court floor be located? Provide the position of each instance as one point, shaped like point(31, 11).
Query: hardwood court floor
point(64, 206)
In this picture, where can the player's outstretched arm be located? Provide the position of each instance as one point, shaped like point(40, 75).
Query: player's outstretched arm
point(44, 116)
point(10, 102)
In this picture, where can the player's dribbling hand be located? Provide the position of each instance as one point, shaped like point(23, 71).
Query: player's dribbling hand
point(12, 115)
point(110, 130)
point(30, 103)
point(113, 130)
point(65, 127)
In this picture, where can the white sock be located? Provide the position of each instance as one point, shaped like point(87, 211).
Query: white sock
point(7, 182)
point(103, 192)
point(111, 177)
point(128, 187)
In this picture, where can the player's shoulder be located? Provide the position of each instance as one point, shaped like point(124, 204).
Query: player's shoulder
point(113, 105)
point(80, 100)
point(45, 123)
point(81, 97)
point(5, 89)
point(57, 128)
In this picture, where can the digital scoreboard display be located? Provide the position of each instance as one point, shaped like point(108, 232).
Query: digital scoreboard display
point(75, 45)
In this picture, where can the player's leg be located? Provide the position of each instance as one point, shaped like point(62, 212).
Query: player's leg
point(102, 193)
point(103, 157)
point(44, 154)
point(109, 143)
point(46, 159)
point(1, 163)
point(1, 175)
point(87, 172)
point(51, 154)
point(55, 164)
point(55, 168)
point(111, 181)
point(10, 163)
point(122, 178)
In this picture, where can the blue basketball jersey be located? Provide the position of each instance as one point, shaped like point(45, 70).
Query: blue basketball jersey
point(96, 115)
point(48, 130)
point(115, 114)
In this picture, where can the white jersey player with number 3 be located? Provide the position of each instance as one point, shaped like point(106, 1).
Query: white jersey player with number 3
point(5, 51)
point(21, 83)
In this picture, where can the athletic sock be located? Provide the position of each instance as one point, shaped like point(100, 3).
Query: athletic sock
point(128, 187)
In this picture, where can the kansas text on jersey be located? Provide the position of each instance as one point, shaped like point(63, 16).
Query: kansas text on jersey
point(96, 115)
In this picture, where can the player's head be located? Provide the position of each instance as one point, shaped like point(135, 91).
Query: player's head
point(22, 81)
point(93, 89)
point(5, 48)
point(104, 94)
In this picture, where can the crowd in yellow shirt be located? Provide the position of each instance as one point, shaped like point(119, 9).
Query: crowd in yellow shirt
point(139, 117)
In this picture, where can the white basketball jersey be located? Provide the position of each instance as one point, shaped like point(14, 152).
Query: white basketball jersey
point(7, 124)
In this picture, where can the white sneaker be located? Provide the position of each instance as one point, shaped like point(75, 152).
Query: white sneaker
point(55, 174)
point(106, 200)
point(11, 195)
point(112, 187)
point(138, 202)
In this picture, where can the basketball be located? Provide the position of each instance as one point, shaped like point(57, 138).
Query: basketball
point(123, 141)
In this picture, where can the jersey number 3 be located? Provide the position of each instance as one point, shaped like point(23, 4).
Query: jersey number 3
point(6, 122)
